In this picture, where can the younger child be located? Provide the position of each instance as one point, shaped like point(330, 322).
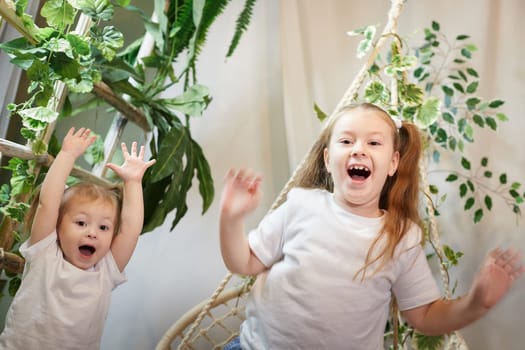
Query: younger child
point(330, 257)
point(81, 240)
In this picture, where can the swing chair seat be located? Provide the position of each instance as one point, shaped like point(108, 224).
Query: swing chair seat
point(219, 325)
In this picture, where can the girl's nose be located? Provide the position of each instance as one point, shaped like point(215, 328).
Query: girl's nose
point(92, 234)
point(358, 150)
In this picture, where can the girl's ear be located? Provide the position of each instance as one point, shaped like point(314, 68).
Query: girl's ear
point(326, 160)
point(394, 164)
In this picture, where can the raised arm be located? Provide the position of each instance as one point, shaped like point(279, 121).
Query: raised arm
point(132, 214)
point(240, 196)
point(491, 284)
point(52, 189)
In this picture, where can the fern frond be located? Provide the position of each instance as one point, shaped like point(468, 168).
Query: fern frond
point(242, 24)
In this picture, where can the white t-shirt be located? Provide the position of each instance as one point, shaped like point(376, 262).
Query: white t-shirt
point(308, 298)
point(58, 305)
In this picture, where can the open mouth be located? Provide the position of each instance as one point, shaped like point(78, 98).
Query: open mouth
point(86, 250)
point(359, 172)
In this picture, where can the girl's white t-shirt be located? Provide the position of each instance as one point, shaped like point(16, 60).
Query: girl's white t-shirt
point(59, 306)
point(308, 298)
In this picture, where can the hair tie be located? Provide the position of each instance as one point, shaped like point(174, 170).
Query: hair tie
point(397, 122)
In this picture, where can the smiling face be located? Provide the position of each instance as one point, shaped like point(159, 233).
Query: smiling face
point(85, 230)
point(360, 156)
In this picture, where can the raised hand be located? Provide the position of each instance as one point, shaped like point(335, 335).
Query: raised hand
point(76, 143)
point(134, 165)
point(241, 193)
point(496, 276)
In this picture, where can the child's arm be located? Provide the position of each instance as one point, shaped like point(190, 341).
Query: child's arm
point(132, 213)
point(240, 196)
point(52, 189)
point(491, 284)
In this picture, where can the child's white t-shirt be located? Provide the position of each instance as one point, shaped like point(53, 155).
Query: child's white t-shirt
point(59, 306)
point(308, 298)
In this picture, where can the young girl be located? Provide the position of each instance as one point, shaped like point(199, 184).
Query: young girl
point(347, 237)
point(81, 240)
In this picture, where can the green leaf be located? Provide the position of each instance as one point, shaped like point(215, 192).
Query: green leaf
point(37, 118)
point(462, 37)
point(465, 163)
point(473, 72)
point(478, 120)
point(502, 117)
point(503, 179)
point(484, 161)
point(204, 175)
point(496, 103)
point(171, 151)
point(469, 203)
point(192, 102)
point(427, 342)
point(465, 52)
point(458, 87)
point(462, 190)
point(96, 9)
point(491, 122)
point(472, 87)
point(488, 202)
point(321, 116)
point(478, 215)
point(451, 178)
point(447, 90)
point(375, 91)
point(428, 113)
point(472, 102)
point(58, 13)
point(435, 26)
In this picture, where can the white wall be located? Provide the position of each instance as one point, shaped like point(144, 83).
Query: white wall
point(261, 117)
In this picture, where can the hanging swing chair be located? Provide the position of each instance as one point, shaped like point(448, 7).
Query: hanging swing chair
point(214, 322)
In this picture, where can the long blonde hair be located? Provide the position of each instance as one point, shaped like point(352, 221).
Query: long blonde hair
point(399, 196)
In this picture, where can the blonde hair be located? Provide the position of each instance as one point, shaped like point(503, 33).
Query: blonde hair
point(399, 196)
point(86, 190)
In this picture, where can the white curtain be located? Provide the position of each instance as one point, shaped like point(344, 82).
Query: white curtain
point(296, 53)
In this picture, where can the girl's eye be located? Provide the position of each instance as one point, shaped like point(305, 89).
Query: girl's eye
point(104, 227)
point(346, 142)
point(375, 143)
point(81, 223)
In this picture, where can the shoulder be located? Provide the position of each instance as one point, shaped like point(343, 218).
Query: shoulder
point(412, 238)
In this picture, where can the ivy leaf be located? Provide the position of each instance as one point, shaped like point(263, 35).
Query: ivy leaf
point(37, 118)
point(428, 113)
point(375, 91)
point(95, 152)
point(369, 33)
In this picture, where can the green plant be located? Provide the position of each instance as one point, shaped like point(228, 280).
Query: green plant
point(63, 62)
